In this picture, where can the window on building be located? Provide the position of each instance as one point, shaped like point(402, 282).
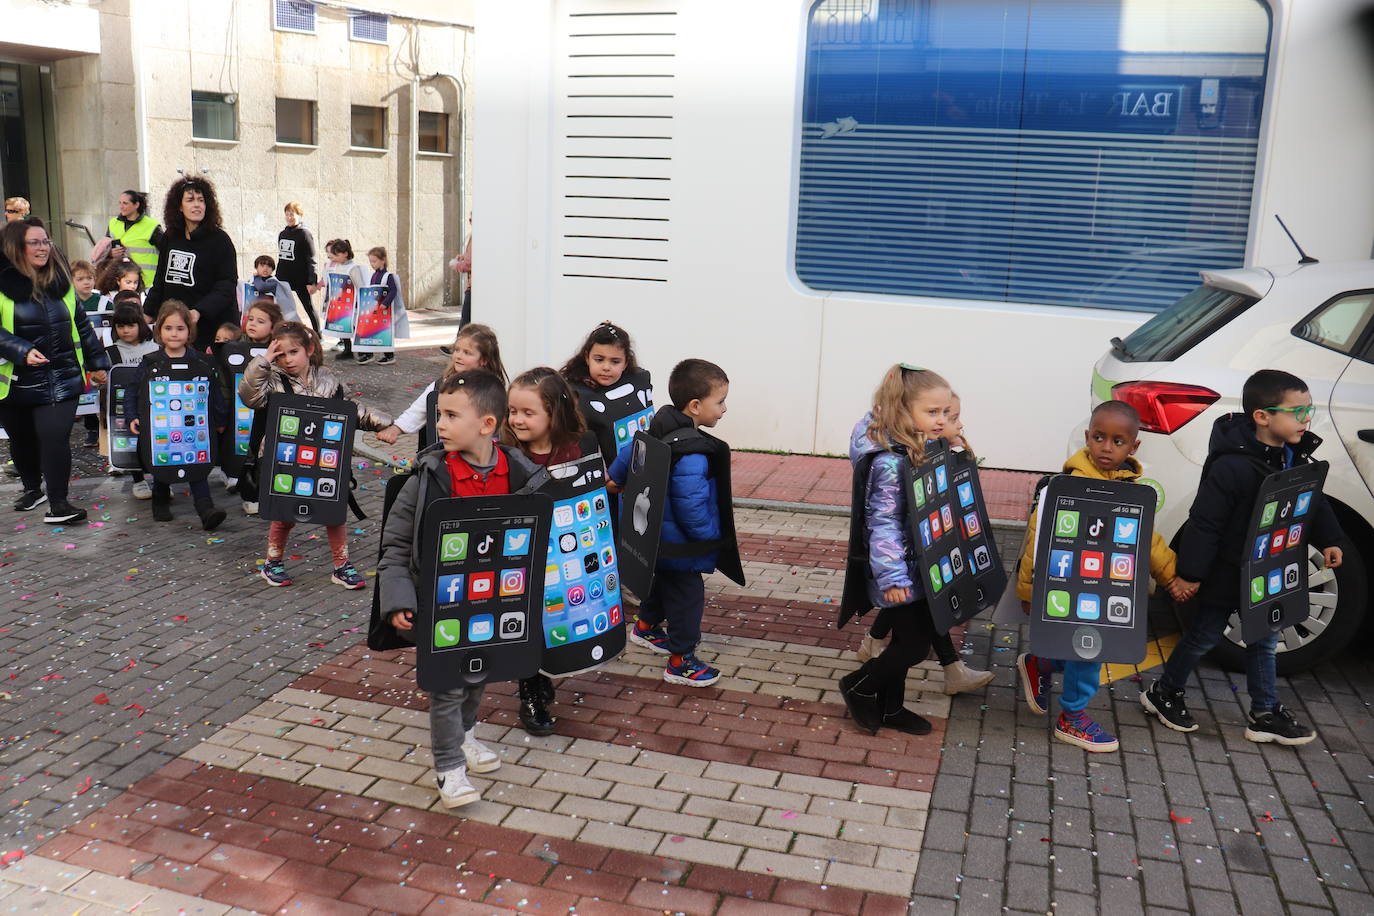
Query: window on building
point(296, 121)
point(367, 26)
point(213, 116)
point(293, 16)
point(1065, 152)
point(433, 132)
point(368, 127)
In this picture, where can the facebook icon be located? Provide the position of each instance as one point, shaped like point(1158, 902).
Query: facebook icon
point(450, 590)
point(1061, 563)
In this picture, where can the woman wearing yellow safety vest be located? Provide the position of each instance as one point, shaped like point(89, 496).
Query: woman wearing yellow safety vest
point(47, 350)
point(133, 234)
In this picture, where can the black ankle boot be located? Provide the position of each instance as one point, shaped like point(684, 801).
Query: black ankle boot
point(534, 712)
point(210, 517)
point(546, 691)
point(861, 699)
point(896, 716)
point(162, 508)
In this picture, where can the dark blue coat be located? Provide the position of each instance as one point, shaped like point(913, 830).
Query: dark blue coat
point(47, 327)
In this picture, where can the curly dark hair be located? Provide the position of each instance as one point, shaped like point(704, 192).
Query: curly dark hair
point(576, 371)
point(172, 220)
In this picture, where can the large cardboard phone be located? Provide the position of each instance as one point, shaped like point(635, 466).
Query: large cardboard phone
point(583, 624)
point(176, 441)
point(233, 360)
point(340, 304)
point(122, 444)
point(1274, 574)
point(374, 329)
point(975, 531)
point(641, 511)
point(616, 414)
point(307, 453)
point(478, 619)
point(1092, 570)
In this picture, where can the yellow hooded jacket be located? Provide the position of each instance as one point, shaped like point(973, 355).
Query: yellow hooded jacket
point(1080, 464)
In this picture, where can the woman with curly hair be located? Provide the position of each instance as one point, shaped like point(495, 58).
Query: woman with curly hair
point(196, 262)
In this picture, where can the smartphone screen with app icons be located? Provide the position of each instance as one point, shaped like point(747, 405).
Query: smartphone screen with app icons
point(307, 453)
point(481, 563)
point(583, 616)
point(975, 530)
point(233, 360)
point(1274, 583)
point(174, 423)
point(938, 531)
point(122, 443)
point(1092, 570)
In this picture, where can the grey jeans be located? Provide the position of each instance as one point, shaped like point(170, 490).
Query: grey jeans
point(452, 714)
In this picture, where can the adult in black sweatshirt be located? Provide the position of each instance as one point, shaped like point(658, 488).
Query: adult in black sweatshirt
point(196, 262)
point(296, 260)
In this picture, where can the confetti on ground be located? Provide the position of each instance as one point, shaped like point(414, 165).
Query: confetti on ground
point(1179, 819)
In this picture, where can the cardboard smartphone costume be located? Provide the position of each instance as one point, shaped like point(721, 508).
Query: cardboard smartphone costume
point(374, 325)
point(975, 531)
point(429, 433)
point(479, 601)
point(1274, 574)
point(122, 444)
point(583, 622)
point(340, 304)
point(616, 414)
point(1092, 570)
point(233, 360)
point(307, 454)
point(175, 439)
point(642, 502)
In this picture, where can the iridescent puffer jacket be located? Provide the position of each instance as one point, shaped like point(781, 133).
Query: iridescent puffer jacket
point(891, 558)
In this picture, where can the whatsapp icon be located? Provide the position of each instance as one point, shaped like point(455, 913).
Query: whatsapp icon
point(453, 547)
point(1066, 524)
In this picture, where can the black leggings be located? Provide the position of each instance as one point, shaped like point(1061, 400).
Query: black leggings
point(912, 632)
point(40, 445)
point(303, 297)
point(942, 645)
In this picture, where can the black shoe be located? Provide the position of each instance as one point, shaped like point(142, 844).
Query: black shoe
point(363, 359)
point(29, 500)
point(63, 513)
point(92, 438)
point(1169, 706)
point(534, 714)
point(210, 517)
point(904, 720)
point(863, 706)
point(386, 359)
point(162, 508)
point(1278, 725)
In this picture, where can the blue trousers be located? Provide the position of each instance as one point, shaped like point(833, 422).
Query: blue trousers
point(1207, 629)
point(1081, 680)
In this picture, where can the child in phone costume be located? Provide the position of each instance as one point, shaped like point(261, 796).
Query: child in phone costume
point(1269, 434)
point(1111, 441)
point(698, 533)
point(466, 462)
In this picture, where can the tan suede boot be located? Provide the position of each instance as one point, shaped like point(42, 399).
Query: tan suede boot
point(960, 678)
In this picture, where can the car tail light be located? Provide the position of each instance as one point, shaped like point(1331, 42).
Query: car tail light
point(1165, 407)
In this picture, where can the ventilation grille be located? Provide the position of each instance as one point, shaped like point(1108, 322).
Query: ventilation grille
point(367, 26)
point(617, 92)
point(293, 16)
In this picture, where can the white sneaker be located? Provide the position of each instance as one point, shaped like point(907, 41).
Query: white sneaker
point(481, 759)
point(960, 678)
point(454, 788)
point(230, 483)
point(143, 490)
point(250, 508)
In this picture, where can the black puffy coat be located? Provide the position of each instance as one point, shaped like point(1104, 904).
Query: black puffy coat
point(1213, 541)
point(47, 326)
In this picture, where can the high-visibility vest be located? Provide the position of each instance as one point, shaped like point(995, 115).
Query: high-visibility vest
point(138, 242)
point(7, 322)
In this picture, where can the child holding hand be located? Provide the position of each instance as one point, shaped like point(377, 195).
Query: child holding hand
point(1108, 453)
point(294, 364)
point(466, 462)
point(475, 347)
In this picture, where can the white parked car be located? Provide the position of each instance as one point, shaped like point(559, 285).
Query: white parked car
point(1185, 367)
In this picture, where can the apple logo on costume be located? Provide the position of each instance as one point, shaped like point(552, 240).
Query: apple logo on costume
point(641, 516)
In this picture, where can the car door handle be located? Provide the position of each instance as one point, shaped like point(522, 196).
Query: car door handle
point(1366, 435)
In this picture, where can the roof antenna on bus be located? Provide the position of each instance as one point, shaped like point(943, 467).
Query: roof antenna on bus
point(1304, 257)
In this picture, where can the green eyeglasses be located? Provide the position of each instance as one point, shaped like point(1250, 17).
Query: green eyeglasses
point(1301, 414)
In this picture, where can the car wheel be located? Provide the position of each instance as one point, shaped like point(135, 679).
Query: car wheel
point(1338, 599)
